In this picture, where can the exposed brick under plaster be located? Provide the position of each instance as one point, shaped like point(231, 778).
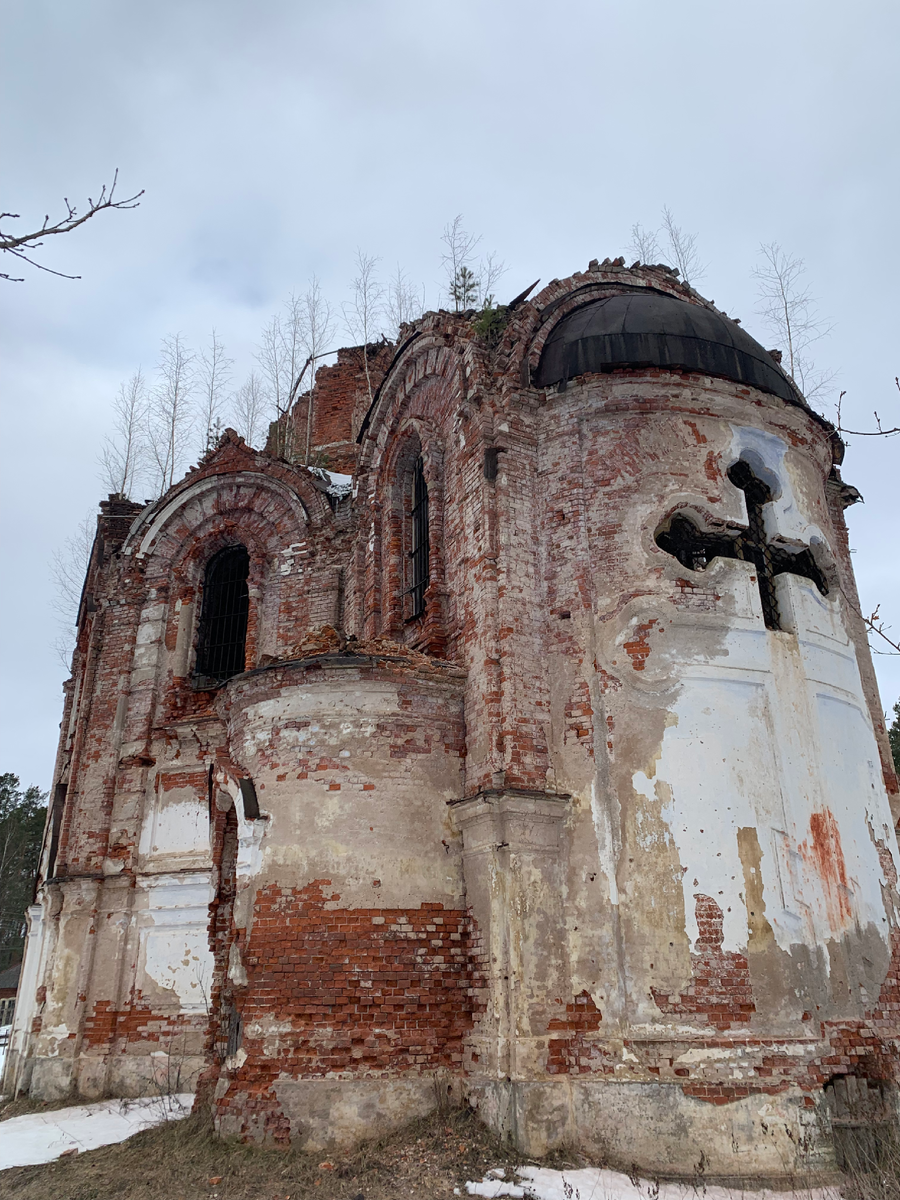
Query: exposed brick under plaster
point(349, 992)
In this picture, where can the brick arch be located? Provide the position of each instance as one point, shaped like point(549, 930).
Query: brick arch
point(283, 489)
point(415, 407)
point(427, 382)
point(258, 513)
point(416, 436)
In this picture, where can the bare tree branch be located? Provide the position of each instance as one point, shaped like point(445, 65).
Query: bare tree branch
point(123, 455)
point(171, 416)
point(214, 376)
point(68, 568)
point(683, 250)
point(403, 303)
point(248, 405)
point(362, 311)
point(874, 623)
point(15, 244)
point(789, 310)
point(644, 244)
point(878, 431)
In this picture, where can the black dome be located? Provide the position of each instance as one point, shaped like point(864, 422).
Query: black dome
point(650, 329)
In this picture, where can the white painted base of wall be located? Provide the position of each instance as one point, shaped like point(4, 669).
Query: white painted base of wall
point(656, 1127)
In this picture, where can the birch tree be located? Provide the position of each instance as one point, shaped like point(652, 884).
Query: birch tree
point(458, 258)
point(670, 244)
point(789, 311)
point(317, 327)
point(683, 252)
point(289, 344)
point(123, 455)
point(248, 406)
point(171, 412)
point(68, 569)
point(644, 244)
point(364, 311)
point(470, 281)
point(214, 375)
point(403, 302)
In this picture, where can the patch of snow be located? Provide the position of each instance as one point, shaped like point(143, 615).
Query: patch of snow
point(494, 1187)
point(42, 1137)
point(340, 485)
point(594, 1183)
point(336, 484)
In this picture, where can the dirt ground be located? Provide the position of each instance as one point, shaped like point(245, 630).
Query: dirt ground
point(185, 1161)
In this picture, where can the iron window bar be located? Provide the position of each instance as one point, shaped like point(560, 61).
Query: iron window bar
point(223, 616)
point(418, 554)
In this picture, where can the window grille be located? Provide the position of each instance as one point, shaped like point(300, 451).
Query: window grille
point(223, 616)
point(418, 542)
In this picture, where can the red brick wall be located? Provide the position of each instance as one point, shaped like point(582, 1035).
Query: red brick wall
point(361, 991)
point(340, 400)
point(720, 990)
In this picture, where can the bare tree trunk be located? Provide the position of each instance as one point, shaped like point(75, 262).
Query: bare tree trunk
point(171, 414)
point(318, 329)
point(683, 250)
point(68, 570)
point(789, 311)
point(215, 375)
point(362, 313)
point(249, 408)
point(403, 303)
point(123, 455)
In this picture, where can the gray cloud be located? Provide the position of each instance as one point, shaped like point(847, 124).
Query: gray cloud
point(274, 139)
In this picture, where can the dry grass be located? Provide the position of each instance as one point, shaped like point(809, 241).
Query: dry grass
point(24, 1105)
point(186, 1161)
point(872, 1167)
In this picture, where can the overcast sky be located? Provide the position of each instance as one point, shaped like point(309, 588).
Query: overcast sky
point(275, 138)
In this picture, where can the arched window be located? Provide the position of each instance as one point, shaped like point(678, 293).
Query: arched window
point(223, 616)
point(417, 553)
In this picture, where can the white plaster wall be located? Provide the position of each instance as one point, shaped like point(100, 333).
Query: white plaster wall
point(766, 729)
point(172, 914)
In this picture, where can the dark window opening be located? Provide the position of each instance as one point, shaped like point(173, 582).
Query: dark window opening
point(248, 796)
point(234, 1031)
point(56, 817)
point(695, 549)
point(418, 553)
point(223, 616)
point(863, 1123)
point(492, 462)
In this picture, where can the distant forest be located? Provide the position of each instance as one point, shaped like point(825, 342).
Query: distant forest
point(22, 816)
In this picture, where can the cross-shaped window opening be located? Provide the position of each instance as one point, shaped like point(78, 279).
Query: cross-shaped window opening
point(418, 553)
point(695, 548)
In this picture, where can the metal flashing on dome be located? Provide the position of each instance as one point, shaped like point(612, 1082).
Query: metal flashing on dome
point(651, 329)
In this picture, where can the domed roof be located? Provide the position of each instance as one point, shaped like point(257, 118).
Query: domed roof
point(651, 329)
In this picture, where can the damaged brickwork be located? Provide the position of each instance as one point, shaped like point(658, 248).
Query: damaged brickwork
point(357, 992)
point(550, 769)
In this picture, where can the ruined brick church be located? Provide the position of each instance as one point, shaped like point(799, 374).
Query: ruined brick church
point(540, 764)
